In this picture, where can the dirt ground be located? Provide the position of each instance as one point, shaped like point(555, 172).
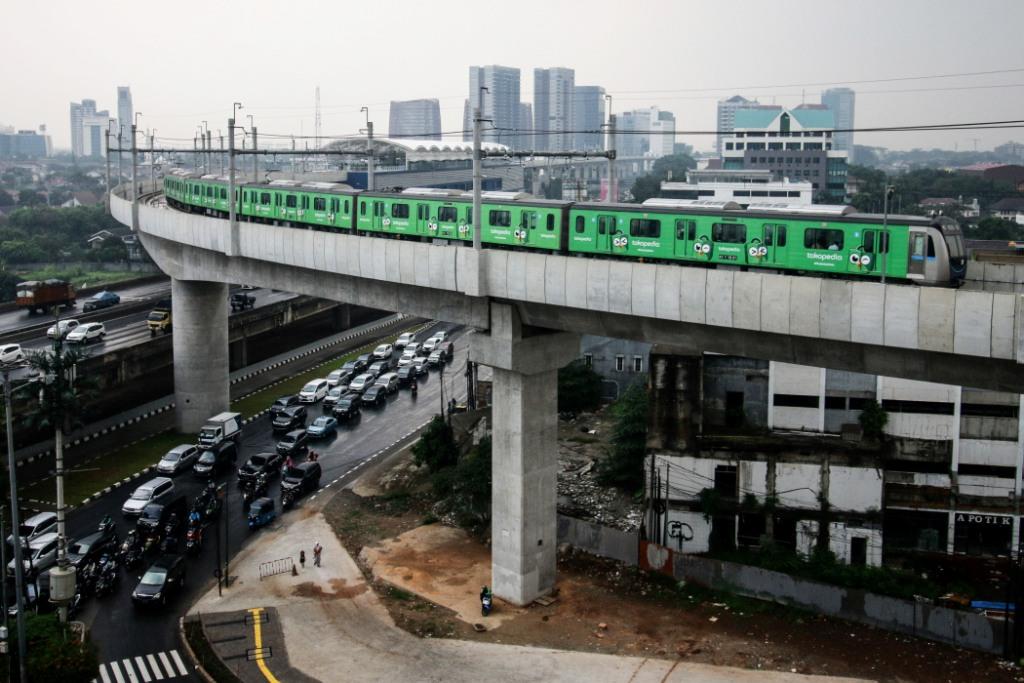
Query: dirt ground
point(602, 606)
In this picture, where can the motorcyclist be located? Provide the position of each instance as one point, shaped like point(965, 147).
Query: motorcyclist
point(194, 518)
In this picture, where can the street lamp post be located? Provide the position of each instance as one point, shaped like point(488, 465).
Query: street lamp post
point(611, 148)
point(369, 149)
point(883, 244)
point(19, 579)
point(62, 577)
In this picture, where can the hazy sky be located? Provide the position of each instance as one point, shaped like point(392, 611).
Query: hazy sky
point(187, 61)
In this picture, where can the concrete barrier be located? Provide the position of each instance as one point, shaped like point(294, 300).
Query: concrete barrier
point(599, 540)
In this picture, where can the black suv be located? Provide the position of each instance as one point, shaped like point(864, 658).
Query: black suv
point(292, 417)
point(215, 459)
point(302, 478)
point(263, 463)
point(241, 301)
point(88, 548)
point(155, 515)
point(347, 407)
point(164, 577)
point(363, 361)
point(376, 395)
point(282, 403)
point(293, 444)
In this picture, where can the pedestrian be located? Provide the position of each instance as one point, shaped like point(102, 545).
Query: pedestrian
point(317, 550)
point(302, 558)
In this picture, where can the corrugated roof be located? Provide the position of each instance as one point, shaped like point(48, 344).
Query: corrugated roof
point(814, 118)
point(756, 117)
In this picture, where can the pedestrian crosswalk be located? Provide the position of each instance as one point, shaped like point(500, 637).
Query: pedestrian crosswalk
point(158, 666)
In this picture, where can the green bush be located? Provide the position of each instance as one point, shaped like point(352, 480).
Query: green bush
point(579, 388)
point(465, 489)
point(436, 448)
point(53, 655)
point(624, 466)
point(873, 419)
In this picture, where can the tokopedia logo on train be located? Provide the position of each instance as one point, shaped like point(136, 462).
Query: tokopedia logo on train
point(834, 256)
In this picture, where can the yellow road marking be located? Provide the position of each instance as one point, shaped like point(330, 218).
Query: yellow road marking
point(257, 635)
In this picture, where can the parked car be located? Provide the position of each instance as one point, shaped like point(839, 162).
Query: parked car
point(164, 578)
point(84, 334)
point(302, 478)
point(335, 376)
point(215, 459)
point(88, 548)
point(352, 366)
point(177, 459)
point(41, 555)
point(61, 328)
point(35, 526)
point(389, 381)
point(313, 391)
point(429, 345)
point(100, 300)
point(289, 419)
point(155, 490)
point(404, 339)
point(362, 382)
point(11, 353)
point(376, 395)
point(293, 444)
point(347, 407)
point(281, 403)
point(407, 358)
point(383, 351)
point(332, 397)
point(155, 516)
point(322, 427)
point(436, 358)
point(379, 368)
point(262, 463)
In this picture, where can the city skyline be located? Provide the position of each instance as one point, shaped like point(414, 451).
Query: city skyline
point(687, 80)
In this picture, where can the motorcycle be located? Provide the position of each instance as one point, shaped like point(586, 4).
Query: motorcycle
point(485, 602)
point(412, 388)
point(194, 539)
point(131, 550)
point(108, 576)
point(151, 542)
point(256, 488)
point(107, 526)
point(288, 496)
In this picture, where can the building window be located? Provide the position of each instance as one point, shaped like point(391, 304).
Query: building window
point(739, 145)
point(620, 363)
point(638, 363)
point(588, 360)
point(728, 145)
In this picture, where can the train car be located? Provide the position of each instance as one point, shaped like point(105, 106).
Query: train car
point(327, 205)
point(822, 239)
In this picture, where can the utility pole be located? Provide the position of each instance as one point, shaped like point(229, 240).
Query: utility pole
point(135, 186)
point(884, 241)
point(231, 178)
point(120, 157)
point(478, 175)
point(64, 574)
point(220, 139)
point(152, 160)
point(108, 168)
point(369, 149)
point(19, 569)
point(209, 151)
point(610, 147)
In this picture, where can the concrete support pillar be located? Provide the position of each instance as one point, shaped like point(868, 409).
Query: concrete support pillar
point(200, 313)
point(342, 317)
point(525, 451)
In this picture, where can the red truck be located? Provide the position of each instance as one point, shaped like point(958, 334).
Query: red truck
point(41, 296)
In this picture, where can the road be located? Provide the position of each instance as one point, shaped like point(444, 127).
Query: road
point(127, 329)
point(121, 632)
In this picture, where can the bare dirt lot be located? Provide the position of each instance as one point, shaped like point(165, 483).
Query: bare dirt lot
point(602, 606)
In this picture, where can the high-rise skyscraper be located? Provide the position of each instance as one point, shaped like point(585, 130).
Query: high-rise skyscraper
point(499, 104)
point(553, 108)
point(88, 129)
point(727, 116)
point(124, 114)
point(588, 101)
point(841, 101)
point(645, 132)
point(415, 119)
point(526, 138)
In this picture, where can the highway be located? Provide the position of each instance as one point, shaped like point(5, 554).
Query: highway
point(121, 632)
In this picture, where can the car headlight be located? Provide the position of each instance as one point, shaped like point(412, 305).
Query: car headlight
point(156, 596)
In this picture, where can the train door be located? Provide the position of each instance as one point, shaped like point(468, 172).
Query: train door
point(917, 254)
point(772, 249)
point(379, 216)
point(422, 218)
point(686, 235)
point(605, 232)
point(866, 258)
point(527, 226)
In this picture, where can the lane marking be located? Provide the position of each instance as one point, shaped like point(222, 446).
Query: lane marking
point(177, 661)
point(167, 664)
point(116, 670)
point(129, 670)
point(258, 642)
point(103, 673)
point(139, 662)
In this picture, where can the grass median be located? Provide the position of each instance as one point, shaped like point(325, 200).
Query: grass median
point(99, 473)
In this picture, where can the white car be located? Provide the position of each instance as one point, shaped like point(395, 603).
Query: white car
point(362, 382)
point(412, 346)
point(440, 335)
point(35, 526)
point(429, 345)
point(61, 329)
point(383, 351)
point(313, 391)
point(334, 376)
point(89, 332)
point(11, 353)
point(406, 359)
point(41, 555)
point(404, 339)
point(155, 490)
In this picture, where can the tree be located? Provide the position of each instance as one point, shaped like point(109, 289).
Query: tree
point(31, 198)
point(54, 653)
point(673, 165)
point(465, 489)
point(6, 199)
point(579, 388)
point(993, 228)
point(624, 466)
point(873, 419)
point(436, 448)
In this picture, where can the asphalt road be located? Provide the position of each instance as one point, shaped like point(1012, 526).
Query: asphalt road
point(120, 631)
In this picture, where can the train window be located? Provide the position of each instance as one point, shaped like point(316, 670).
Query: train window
point(400, 210)
point(780, 236)
point(223, 193)
point(581, 224)
point(291, 201)
point(730, 233)
point(774, 235)
point(265, 199)
point(551, 221)
point(869, 241)
point(277, 199)
point(362, 208)
point(769, 235)
point(305, 202)
point(346, 206)
point(529, 220)
point(422, 211)
point(606, 224)
point(209, 191)
point(931, 247)
point(447, 214)
point(644, 227)
point(500, 218)
point(823, 238)
point(469, 215)
point(320, 204)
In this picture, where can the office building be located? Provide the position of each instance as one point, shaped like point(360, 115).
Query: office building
point(88, 129)
point(741, 186)
point(499, 104)
point(793, 143)
point(661, 141)
point(841, 101)
point(645, 132)
point(589, 103)
point(554, 93)
point(727, 116)
point(25, 144)
point(124, 112)
point(525, 138)
point(419, 119)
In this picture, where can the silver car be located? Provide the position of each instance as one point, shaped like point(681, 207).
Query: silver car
point(41, 555)
point(362, 382)
point(177, 459)
point(153, 491)
point(35, 526)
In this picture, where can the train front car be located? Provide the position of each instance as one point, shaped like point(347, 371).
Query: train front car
point(953, 238)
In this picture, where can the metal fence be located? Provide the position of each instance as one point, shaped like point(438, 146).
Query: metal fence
point(274, 567)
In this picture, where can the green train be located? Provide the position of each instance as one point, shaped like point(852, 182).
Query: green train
point(822, 240)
